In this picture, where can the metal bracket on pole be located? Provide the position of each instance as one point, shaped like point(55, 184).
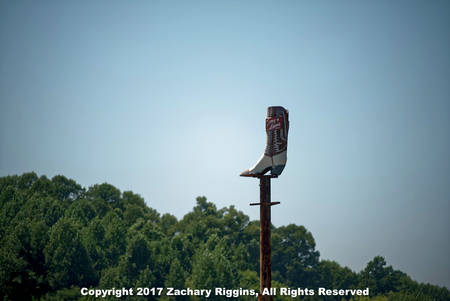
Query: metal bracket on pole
point(264, 204)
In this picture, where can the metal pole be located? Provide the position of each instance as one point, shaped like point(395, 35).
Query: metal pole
point(265, 273)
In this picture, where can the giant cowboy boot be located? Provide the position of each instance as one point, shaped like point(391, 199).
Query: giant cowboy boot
point(274, 157)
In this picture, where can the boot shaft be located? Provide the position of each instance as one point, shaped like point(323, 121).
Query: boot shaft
point(277, 127)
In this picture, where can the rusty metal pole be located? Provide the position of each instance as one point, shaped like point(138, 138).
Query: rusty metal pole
point(265, 273)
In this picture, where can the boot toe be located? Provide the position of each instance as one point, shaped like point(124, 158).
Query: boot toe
point(247, 173)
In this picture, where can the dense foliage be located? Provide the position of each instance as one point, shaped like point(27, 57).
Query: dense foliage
point(57, 237)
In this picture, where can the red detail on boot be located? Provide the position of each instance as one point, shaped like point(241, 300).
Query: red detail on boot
point(273, 123)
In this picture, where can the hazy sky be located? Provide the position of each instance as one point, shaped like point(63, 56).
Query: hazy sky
point(168, 99)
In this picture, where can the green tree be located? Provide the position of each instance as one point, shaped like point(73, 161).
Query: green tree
point(67, 258)
point(212, 266)
point(13, 269)
point(380, 278)
point(66, 189)
point(331, 275)
point(294, 257)
point(114, 243)
point(137, 258)
point(202, 222)
point(168, 224)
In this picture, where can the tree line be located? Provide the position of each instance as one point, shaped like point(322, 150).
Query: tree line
point(57, 237)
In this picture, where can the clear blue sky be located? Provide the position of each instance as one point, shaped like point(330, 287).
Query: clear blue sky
point(168, 99)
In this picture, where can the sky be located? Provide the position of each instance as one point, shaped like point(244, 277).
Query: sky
point(168, 99)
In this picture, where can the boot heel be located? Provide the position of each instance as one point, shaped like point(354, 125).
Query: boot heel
point(277, 170)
